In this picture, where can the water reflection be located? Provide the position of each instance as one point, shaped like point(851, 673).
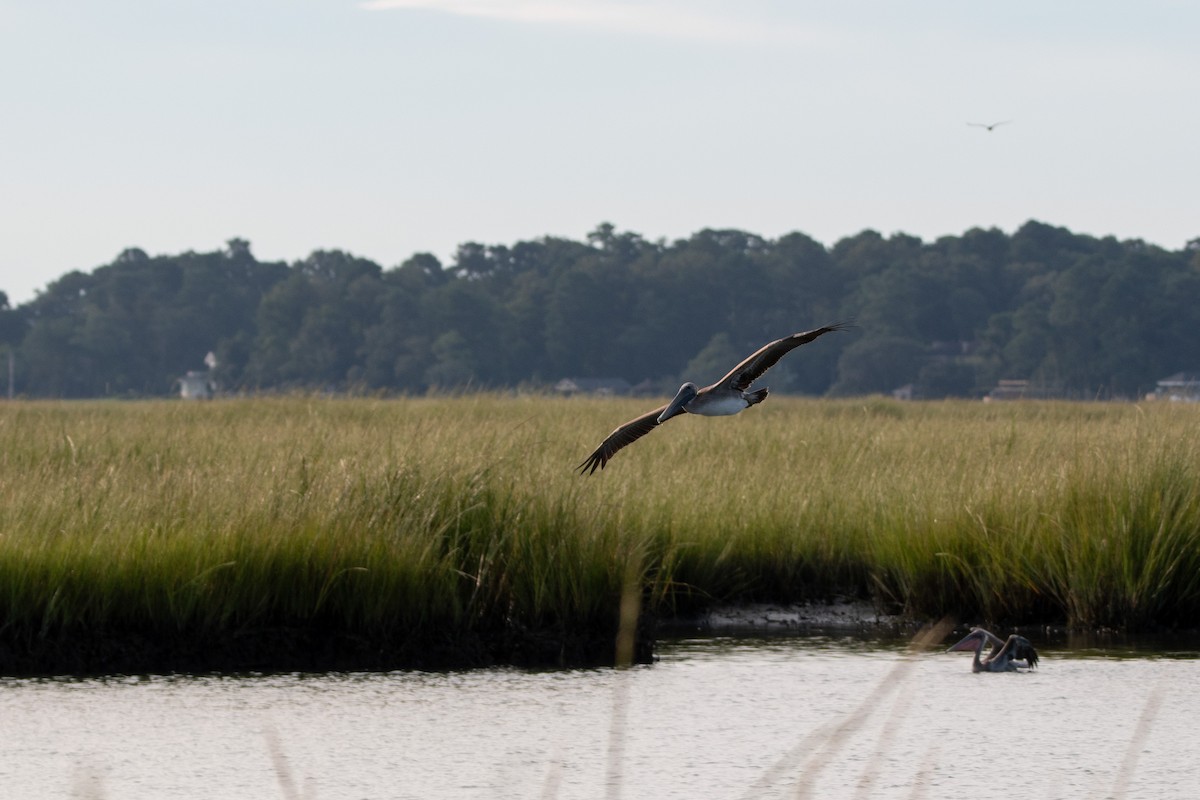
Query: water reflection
point(717, 717)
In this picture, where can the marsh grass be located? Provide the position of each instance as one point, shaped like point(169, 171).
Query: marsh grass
point(460, 520)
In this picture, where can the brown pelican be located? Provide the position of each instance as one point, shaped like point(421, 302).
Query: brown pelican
point(987, 126)
point(1006, 656)
point(726, 396)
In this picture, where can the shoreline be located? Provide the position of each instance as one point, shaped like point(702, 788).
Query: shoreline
point(291, 649)
point(317, 650)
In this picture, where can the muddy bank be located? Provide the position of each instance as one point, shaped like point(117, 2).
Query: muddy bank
point(753, 618)
point(848, 616)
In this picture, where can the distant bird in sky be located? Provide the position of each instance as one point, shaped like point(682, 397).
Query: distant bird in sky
point(1006, 655)
point(726, 396)
point(987, 126)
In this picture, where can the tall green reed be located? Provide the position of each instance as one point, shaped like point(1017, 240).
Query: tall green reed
point(399, 520)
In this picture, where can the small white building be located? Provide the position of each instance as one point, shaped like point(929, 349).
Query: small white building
point(1180, 387)
point(196, 385)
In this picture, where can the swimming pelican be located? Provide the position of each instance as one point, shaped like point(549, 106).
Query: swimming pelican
point(726, 396)
point(1006, 656)
point(987, 126)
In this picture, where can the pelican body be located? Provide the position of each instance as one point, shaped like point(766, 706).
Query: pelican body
point(727, 396)
point(1007, 655)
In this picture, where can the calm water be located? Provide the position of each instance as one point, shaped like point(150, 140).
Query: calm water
point(715, 718)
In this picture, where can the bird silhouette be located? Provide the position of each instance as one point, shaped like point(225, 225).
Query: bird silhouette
point(727, 396)
point(987, 126)
point(1007, 654)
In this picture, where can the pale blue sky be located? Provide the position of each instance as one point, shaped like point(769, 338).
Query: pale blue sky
point(395, 126)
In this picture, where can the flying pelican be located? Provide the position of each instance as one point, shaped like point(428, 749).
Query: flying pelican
point(726, 396)
point(987, 126)
point(1006, 656)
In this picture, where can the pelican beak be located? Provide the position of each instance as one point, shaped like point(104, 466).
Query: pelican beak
point(685, 395)
point(966, 643)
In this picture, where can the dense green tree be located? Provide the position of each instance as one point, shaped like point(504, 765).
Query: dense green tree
point(586, 308)
point(713, 361)
point(940, 378)
point(1094, 317)
point(12, 331)
point(134, 325)
point(312, 327)
point(878, 364)
point(12, 323)
point(453, 364)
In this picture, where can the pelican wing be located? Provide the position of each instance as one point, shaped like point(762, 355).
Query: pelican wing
point(623, 435)
point(1023, 650)
point(747, 372)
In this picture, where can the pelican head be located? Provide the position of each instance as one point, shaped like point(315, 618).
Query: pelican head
point(685, 395)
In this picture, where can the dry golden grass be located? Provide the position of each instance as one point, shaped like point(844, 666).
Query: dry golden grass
point(388, 518)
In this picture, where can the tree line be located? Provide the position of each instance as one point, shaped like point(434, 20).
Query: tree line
point(1087, 316)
